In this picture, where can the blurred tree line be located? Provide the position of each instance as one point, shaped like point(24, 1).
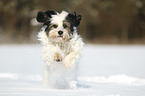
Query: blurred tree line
point(104, 21)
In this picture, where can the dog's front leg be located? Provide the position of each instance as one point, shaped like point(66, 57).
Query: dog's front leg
point(57, 57)
point(70, 60)
point(74, 54)
point(51, 54)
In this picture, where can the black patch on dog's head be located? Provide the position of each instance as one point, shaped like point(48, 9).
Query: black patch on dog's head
point(44, 17)
point(74, 19)
point(50, 12)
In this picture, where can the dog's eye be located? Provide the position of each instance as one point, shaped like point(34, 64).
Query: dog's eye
point(65, 26)
point(54, 26)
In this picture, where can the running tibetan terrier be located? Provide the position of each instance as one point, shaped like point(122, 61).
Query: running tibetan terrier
point(62, 47)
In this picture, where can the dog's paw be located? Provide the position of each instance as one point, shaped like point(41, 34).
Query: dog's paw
point(68, 62)
point(57, 57)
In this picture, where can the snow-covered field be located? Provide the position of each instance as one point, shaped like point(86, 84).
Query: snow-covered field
point(104, 70)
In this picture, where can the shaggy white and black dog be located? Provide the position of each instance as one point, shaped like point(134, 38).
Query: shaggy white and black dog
point(62, 47)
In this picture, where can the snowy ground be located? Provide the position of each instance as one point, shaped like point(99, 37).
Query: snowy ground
point(105, 70)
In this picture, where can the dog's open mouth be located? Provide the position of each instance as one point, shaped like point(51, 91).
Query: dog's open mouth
point(61, 37)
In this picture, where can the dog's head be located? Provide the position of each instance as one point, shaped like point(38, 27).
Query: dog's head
point(60, 26)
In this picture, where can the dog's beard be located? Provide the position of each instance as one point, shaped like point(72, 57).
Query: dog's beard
point(54, 36)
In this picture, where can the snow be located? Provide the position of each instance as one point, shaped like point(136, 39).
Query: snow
point(118, 79)
point(104, 70)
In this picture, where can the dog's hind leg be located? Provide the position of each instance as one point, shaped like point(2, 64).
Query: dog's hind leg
point(46, 76)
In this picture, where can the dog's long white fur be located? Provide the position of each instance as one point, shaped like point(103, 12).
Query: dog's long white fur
point(61, 74)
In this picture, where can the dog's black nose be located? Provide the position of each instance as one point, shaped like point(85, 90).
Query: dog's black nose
point(60, 32)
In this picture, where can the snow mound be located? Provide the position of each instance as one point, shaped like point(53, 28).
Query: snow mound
point(118, 79)
point(8, 76)
point(14, 76)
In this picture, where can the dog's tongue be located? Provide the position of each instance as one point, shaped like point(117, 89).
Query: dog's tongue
point(63, 37)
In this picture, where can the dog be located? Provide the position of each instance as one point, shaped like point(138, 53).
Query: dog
point(61, 48)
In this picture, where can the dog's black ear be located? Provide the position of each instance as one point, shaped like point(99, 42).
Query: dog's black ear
point(42, 17)
point(74, 19)
point(45, 16)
